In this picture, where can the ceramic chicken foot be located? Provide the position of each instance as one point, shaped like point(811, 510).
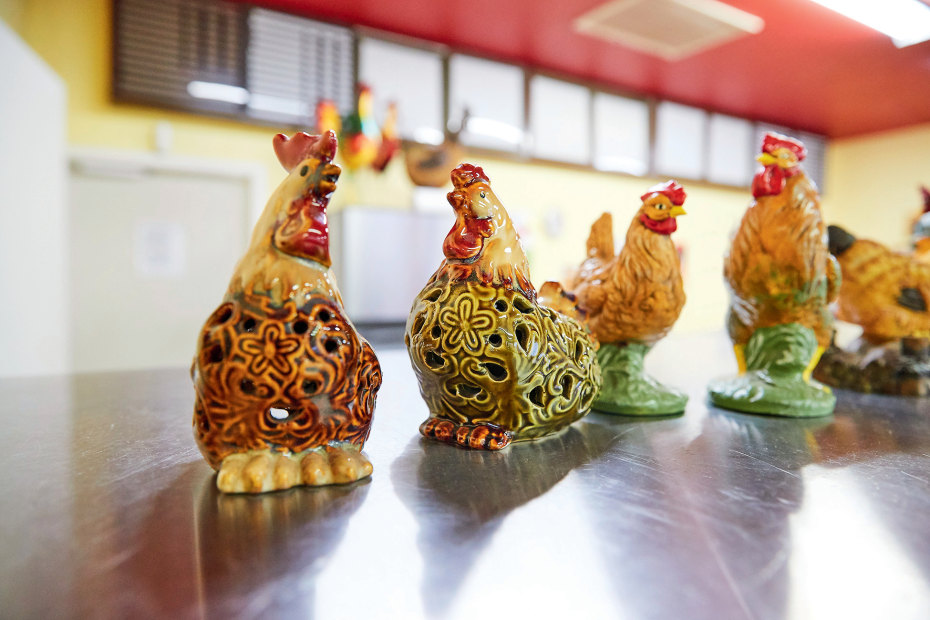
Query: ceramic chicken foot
point(259, 471)
point(627, 389)
point(776, 378)
point(475, 436)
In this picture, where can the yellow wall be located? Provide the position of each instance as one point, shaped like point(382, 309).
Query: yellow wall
point(12, 12)
point(74, 38)
point(874, 181)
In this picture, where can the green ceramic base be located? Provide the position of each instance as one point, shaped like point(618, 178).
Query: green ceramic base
point(759, 392)
point(774, 384)
point(626, 390)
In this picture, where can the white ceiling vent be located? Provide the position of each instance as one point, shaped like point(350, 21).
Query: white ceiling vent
point(669, 29)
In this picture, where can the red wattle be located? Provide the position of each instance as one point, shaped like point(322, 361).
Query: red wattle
point(770, 181)
point(306, 232)
point(663, 227)
point(465, 239)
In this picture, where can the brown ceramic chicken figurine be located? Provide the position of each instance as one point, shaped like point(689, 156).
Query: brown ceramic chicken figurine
point(493, 365)
point(781, 278)
point(887, 294)
point(632, 299)
point(883, 291)
point(285, 384)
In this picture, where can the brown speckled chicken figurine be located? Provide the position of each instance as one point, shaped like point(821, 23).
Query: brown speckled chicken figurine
point(494, 366)
point(285, 384)
point(886, 293)
point(632, 300)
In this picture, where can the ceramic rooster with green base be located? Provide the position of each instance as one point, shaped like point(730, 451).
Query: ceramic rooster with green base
point(781, 278)
point(632, 300)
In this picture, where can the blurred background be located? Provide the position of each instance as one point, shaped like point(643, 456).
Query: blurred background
point(136, 143)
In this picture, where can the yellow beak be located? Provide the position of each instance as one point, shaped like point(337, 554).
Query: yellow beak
point(766, 159)
point(676, 211)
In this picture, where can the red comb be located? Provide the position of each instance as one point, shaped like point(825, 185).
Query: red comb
point(774, 141)
point(670, 189)
point(466, 174)
point(292, 151)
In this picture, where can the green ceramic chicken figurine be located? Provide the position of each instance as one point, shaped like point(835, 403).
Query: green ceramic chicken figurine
point(494, 366)
point(781, 278)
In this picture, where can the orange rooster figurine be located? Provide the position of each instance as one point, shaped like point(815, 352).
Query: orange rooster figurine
point(887, 294)
point(493, 365)
point(362, 144)
point(632, 299)
point(781, 278)
point(285, 384)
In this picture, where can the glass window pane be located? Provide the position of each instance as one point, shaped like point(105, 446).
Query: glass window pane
point(621, 134)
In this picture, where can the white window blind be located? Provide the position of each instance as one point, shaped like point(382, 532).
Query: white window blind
point(292, 63)
point(161, 47)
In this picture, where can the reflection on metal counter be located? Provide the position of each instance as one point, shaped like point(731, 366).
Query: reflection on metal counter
point(712, 515)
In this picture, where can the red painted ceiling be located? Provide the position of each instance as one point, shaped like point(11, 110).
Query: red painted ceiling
point(810, 69)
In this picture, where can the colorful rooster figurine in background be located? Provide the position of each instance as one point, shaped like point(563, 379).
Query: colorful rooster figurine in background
point(285, 386)
point(390, 141)
point(781, 278)
point(360, 137)
point(493, 365)
point(632, 300)
point(327, 117)
point(360, 141)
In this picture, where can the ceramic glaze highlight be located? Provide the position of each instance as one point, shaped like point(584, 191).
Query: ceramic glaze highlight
point(493, 365)
point(285, 386)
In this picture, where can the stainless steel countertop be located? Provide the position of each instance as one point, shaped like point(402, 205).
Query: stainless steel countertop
point(108, 511)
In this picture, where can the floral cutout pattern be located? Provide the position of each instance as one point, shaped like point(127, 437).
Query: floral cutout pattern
point(272, 348)
point(464, 323)
point(307, 361)
point(488, 356)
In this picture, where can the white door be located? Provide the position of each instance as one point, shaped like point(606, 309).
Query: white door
point(151, 257)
